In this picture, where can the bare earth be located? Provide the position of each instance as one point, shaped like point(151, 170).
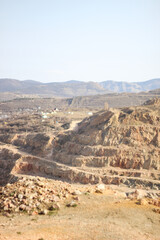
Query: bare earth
point(106, 216)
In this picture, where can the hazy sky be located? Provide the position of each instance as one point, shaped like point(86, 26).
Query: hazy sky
point(88, 40)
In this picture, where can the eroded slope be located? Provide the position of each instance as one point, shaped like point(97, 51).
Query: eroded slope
point(123, 142)
point(118, 146)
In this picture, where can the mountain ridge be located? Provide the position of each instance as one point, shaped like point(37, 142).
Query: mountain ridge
point(73, 88)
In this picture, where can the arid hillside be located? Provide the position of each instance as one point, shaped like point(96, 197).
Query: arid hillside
point(118, 145)
point(64, 175)
point(113, 146)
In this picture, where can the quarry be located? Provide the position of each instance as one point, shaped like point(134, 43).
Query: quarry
point(80, 174)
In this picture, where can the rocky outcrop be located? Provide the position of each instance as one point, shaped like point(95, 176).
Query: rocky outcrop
point(7, 162)
point(127, 138)
point(114, 147)
point(35, 143)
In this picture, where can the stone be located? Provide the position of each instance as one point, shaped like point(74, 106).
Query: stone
point(6, 208)
point(20, 196)
point(22, 207)
point(43, 212)
point(34, 213)
point(156, 210)
point(28, 196)
point(72, 204)
point(77, 192)
point(121, 194)
point(54, 206)
point(143, 201)
point(137, 194)
point(155, 202)
point(100, 188)
point(76, 198)
point(140, 193)
point(16, 210)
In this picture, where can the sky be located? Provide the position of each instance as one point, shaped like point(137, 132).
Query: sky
point(86, 40)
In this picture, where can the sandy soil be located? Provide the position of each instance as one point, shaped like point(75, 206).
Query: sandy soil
point(97, 217)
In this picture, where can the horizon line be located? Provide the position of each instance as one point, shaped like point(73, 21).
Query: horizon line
point(73, 80)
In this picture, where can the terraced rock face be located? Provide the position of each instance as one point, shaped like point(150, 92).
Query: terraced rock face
point(120, 143)
point(113, 147)
point(7, 162)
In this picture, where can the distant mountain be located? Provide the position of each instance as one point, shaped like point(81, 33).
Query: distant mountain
point(74, 88)
point(150, 84)
point(119, 87)
point(13, 85)
point(57, 89)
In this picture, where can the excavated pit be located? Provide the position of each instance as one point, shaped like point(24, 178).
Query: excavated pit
point(118, 146)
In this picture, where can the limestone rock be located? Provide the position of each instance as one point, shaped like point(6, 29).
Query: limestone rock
point(143, 201)
point(33, 194)
point(77, 192)
point(71, 204)
point(100, 188)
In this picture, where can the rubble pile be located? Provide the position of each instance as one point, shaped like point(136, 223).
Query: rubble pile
point(139, 194)
point(33, 195)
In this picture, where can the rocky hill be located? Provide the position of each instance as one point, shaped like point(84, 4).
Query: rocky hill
point(74, 88)
point(118, 146)
point(115, 146)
